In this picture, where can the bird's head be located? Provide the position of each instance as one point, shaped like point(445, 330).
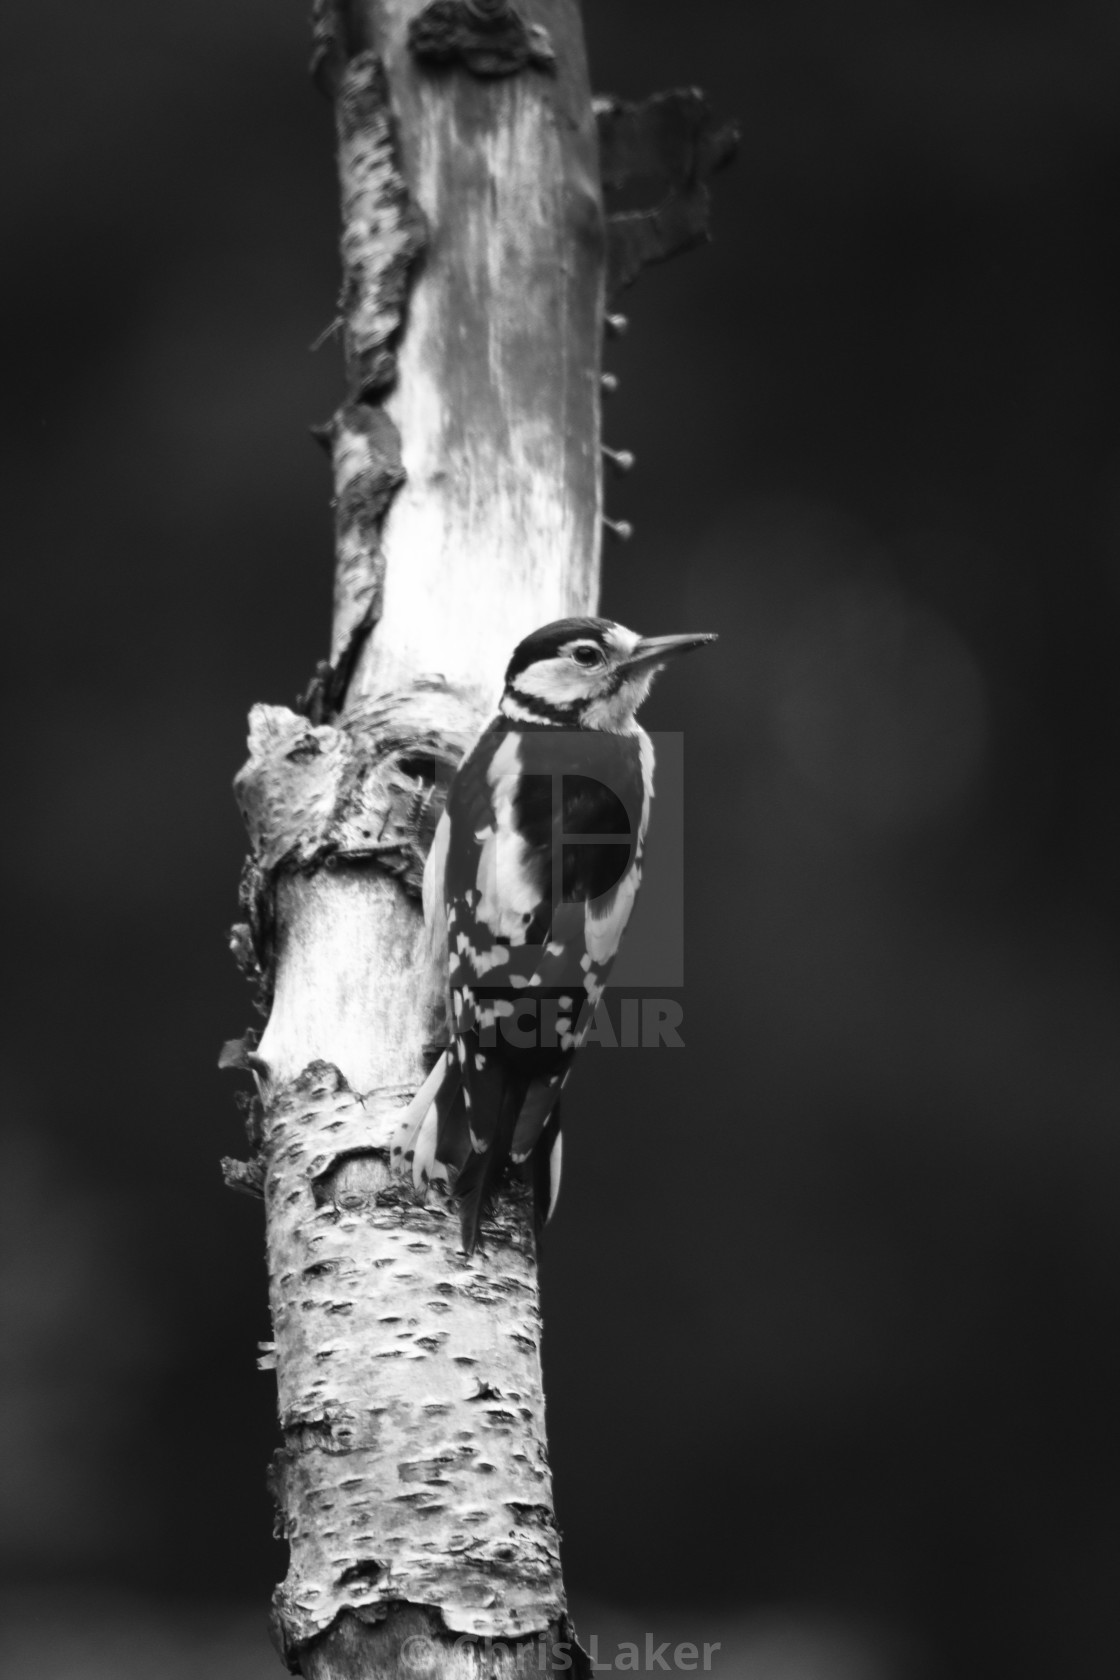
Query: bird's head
point(587, 673)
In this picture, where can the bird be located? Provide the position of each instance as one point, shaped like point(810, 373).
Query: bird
point(533, 871)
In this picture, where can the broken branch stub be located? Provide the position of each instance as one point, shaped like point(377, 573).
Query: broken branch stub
point(671, 145)
point(367, 789)
point(489, 37)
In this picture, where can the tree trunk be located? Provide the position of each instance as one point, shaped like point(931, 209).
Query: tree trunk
point(413, 1485)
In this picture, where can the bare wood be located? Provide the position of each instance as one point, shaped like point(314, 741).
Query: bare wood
point(497, 527)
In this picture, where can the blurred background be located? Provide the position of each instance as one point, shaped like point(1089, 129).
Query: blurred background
point(831, 1296)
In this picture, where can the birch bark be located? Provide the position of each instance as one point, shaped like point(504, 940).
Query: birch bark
point(413, 1484)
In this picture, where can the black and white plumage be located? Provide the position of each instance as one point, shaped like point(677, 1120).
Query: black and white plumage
point(531, 879)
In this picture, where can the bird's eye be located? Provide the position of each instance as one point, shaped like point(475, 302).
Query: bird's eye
point(588, 657)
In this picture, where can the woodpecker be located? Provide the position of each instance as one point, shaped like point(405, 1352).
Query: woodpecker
point(529, 885)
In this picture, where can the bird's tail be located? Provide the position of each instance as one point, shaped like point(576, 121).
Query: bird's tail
point(477, 1180)
point(425, 1143)
point(436, 1134)
point(543, 1168)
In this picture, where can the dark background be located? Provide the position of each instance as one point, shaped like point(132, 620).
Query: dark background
point(831, 1296)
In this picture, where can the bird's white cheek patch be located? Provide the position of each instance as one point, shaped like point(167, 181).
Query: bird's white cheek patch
point(558, 682)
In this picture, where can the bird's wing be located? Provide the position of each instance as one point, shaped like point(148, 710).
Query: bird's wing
point(543, 858)
point(607, 885)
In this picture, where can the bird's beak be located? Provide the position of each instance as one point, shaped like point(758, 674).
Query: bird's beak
point(655, 650)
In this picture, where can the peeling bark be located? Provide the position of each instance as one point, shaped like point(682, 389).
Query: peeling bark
point(383, 235)
point(366, 457)
point(409, 1384)
point(383, 231)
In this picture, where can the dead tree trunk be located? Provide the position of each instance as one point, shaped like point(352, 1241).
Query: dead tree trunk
point(412, 1484)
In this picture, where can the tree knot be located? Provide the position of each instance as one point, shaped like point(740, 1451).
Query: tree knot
point(490, 37)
